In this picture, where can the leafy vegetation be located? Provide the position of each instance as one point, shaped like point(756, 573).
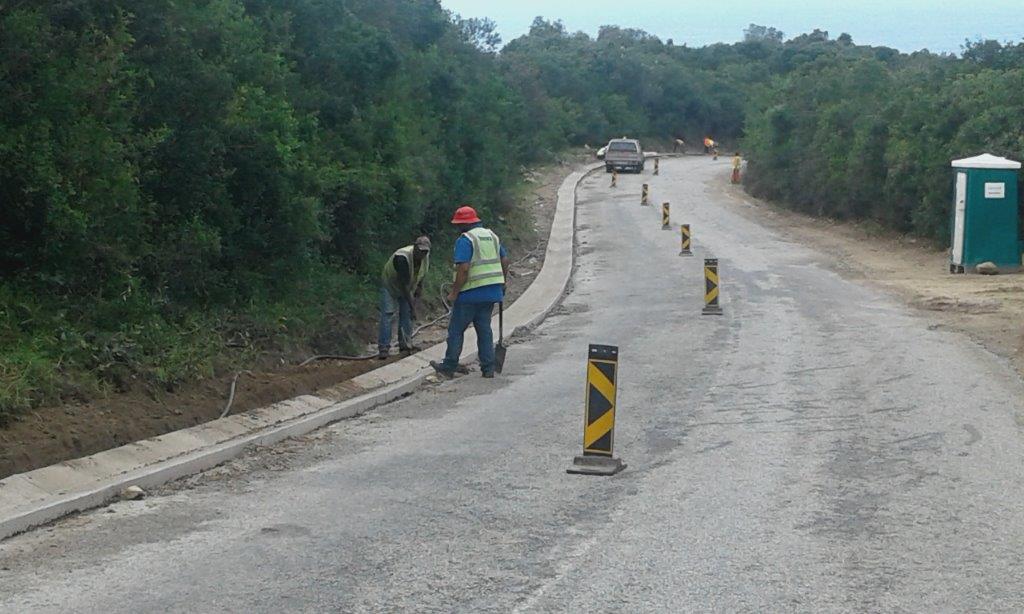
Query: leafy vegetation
point(868, 133)
point(181, 177)
point(829, 127)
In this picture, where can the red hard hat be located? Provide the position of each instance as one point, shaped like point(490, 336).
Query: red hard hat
point(466, 215)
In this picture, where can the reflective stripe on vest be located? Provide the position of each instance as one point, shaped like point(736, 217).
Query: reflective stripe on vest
point(390, 274)
point(485, 267)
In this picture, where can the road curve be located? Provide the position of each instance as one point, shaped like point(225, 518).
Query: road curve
point(819, 448)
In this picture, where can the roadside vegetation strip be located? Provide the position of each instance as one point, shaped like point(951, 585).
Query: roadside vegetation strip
point(195, 130)
point(55, 433)
point(37, 497)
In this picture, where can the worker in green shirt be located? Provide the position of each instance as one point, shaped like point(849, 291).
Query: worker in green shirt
point(401, 286)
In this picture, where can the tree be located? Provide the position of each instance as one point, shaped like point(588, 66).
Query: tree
point(171, 166)
point(755, 33)
point(482, 33)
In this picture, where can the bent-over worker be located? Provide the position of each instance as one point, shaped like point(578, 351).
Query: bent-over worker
point(401, 285)
point(481, 268)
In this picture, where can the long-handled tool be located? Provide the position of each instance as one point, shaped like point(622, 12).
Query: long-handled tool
point(499, 348)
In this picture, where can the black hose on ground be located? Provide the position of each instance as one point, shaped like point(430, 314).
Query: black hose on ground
point(311, 360)
point(415, 332)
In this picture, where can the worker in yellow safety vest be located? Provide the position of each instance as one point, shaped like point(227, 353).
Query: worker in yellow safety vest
point(737, 164)
point(481, 268)
point(401, 286)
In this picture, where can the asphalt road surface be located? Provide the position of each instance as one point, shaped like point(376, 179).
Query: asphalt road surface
point(820, 448)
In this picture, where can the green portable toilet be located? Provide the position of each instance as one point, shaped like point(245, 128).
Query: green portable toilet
point(985, 222)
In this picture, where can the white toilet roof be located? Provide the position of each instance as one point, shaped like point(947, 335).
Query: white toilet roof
point(987, 161)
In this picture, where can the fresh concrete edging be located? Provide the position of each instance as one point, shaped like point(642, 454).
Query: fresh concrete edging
point(31, 499)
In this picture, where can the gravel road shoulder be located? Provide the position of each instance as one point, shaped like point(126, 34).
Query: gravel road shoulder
point(988, 309)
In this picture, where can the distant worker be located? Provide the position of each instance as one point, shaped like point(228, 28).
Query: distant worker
point(679, 144)
point(709, 144)
point(401, 286)
point(737, 163)
point(481, 268)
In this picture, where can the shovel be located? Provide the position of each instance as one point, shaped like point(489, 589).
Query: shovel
point(499, 348)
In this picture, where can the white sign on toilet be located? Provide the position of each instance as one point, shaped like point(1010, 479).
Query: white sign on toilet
point(995, 190)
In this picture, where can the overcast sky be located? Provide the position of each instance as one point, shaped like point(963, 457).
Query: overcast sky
point(908, 25)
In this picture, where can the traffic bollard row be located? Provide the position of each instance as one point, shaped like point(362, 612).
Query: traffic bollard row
point(601, 401)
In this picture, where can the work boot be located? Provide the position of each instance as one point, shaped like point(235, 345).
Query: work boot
point(410, 349)
point(488, 375)
point(384, 354)
point(445, 373)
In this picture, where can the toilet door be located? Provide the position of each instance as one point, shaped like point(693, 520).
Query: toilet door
point(960, 219)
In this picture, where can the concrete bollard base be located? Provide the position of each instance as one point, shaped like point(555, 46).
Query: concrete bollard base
point(595, 465)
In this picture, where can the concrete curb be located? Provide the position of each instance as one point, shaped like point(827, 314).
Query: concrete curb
point(31, 499)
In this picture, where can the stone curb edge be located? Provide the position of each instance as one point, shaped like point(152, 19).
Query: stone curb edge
point(35, 498)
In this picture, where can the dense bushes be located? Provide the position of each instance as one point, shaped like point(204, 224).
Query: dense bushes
point(627, 82)
point(178, 175)
point(829, 127)
point(864, 133)
point(175, 174)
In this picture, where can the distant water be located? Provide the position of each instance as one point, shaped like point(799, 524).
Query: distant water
point(908, 25)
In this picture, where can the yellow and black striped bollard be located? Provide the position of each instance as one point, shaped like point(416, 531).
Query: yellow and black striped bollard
point(598, 456)
point(687, 240)
point(712, 288)
point(666, 223)
point(657, 166)
point(645, 197)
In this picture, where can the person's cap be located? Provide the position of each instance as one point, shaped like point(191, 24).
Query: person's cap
point(466, 215)
point(423, 244)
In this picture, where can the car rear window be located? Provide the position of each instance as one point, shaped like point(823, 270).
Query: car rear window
point(630, 147)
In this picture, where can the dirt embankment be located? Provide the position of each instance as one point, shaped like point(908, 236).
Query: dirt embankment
point(989, 309)
point(53, 434)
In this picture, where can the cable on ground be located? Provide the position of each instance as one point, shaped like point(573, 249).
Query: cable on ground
point(231, 396)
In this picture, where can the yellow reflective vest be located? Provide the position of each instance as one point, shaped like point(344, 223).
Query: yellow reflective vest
point(485, 267)
point(416, 276)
